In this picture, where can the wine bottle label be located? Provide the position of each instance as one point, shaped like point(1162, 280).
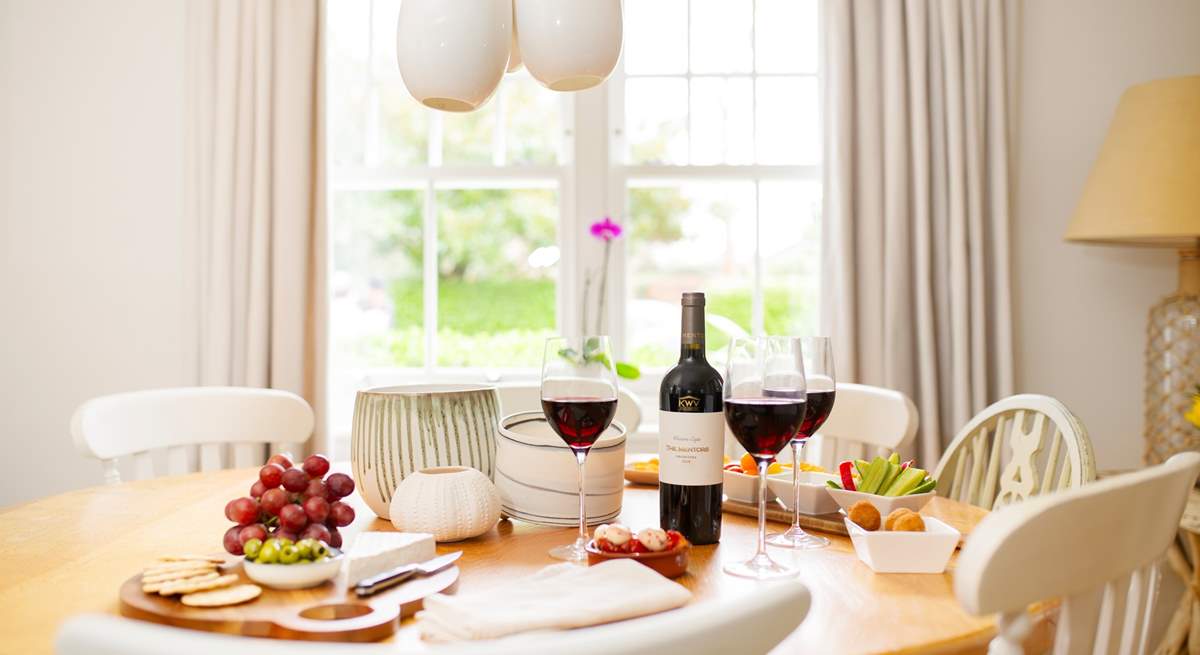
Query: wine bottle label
point(691, 447)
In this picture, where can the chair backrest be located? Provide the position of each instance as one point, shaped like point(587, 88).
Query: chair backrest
point(1097, 547)
point(527, 396)
point(866, 421)
point(751, 625)
point(1018, 447)
point(176, 421)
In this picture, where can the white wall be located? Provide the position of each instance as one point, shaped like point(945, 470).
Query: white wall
point(1081, 310)
point(95, 261)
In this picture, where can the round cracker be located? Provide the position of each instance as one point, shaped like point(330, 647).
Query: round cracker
point(192, 586)
point(166, 576)
point(177, 566)
point(222, 597)
point(199, 558)
point(156, 587)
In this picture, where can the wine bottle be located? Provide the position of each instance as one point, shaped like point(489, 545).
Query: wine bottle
point(691, 436)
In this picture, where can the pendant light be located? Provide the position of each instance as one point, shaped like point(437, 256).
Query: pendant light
point(453, 53)
point(568, 45)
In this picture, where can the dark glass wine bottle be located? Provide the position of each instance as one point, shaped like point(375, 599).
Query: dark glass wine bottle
point(691, 443)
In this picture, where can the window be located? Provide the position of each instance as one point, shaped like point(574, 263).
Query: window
point(459, 241)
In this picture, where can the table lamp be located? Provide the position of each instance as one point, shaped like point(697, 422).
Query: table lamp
point(1144, 190)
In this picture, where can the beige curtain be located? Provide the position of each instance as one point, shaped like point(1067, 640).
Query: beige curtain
point(916, 242)
point(257, 185)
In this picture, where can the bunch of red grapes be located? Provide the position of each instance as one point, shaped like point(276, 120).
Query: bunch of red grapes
point(292, 503)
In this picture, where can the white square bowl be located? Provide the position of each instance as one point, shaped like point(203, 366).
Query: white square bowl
point(814, 493)
point(885, 504)
point(743, 488)
point(905, 552)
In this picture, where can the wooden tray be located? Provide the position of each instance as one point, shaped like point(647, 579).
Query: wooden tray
point(330, 612)
point(776, 512)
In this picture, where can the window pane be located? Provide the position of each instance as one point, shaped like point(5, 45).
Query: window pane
point(785, 35)
point(497, 266)
point(697, 236)
point(533, 120)
point(384, 14)
point(348, 64)
point(655, 37)
point(401, 124)
point(656, 110)
point(376, 303)
point(786, 113)
point(720, 40)
point(722, 120)
point(790, 240)
point(470, 138)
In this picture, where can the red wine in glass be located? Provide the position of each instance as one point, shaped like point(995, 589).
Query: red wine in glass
point(764, 425)
point(816, 410)
point(579, 421)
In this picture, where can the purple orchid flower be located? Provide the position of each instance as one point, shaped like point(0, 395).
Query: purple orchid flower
point(607, 229)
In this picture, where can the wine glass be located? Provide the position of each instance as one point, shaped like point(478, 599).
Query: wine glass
point(818, 369)
point(765, 393)
point(579, 398)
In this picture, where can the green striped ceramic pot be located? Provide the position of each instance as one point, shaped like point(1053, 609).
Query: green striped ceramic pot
point(398, 430)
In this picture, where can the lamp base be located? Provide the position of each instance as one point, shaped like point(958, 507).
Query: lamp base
point(1173, 366)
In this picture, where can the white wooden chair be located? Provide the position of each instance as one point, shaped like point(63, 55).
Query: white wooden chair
point(176, 421)
point(1097, 547)
point(524, 397)
point(866, 421)
point(1018, 447)
point(750, 624)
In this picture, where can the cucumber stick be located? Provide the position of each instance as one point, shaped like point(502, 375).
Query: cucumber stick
point(905, 482)
point(928, 485)
point(874, 476)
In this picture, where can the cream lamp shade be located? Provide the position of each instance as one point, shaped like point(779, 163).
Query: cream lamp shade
point(453, 53)
point(1145, 186)
point(569, 45)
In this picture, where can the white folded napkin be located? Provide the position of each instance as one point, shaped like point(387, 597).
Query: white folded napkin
point(559, 596)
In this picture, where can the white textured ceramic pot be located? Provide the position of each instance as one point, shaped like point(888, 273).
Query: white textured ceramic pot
point(569, 45)
point(452, 53)
point(538, 479)
point(399, 430)
point(451, 503)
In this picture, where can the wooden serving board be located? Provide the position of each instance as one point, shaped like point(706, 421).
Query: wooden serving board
point(776, 512)
point(329, 612)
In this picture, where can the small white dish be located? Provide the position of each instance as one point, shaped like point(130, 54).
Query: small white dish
point(814, 496)
point(905, 552)
point(885, 504)
point(294, 576)
point(744, 488)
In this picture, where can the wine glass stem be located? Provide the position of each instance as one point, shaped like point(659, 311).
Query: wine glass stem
point(796, 446)
point(763, 463)
point(581, 456)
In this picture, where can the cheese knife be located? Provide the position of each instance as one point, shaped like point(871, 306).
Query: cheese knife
point(389, 579)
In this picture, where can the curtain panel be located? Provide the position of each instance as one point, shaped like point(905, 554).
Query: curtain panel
point(917, 101)
point(256, 185)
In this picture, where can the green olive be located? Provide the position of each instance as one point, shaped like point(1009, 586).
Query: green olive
point(320, 550)
point(305, 547)
point(289, 554)
point(251, 547)
point(268, 554)
point(273, 541)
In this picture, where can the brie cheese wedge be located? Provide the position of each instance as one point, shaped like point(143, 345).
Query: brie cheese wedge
point(376, 552)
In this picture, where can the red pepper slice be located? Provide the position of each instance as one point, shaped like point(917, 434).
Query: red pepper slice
point(907, 464)
point(845, 469)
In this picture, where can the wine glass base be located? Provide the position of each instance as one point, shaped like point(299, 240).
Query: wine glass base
point(760, 567)
point(797, 539)
point(574, 552)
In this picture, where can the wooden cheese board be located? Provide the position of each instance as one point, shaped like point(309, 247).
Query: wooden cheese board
point(329, 612)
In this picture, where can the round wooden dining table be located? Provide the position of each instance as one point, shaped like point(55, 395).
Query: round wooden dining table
point(70, 553)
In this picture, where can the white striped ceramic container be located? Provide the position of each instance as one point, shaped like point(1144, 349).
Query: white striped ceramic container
point(398, 430)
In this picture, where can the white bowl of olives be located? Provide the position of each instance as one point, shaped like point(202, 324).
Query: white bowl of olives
point(283, 564)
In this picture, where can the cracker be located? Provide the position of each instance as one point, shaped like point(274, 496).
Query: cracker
point(178, 566)
point(156, 587)
point(194, 585)
point(196, 558)
point(221, 597)
point(174, 575)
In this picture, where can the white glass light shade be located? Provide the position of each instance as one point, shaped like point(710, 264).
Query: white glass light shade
point(452, 53)
point(569, 45)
